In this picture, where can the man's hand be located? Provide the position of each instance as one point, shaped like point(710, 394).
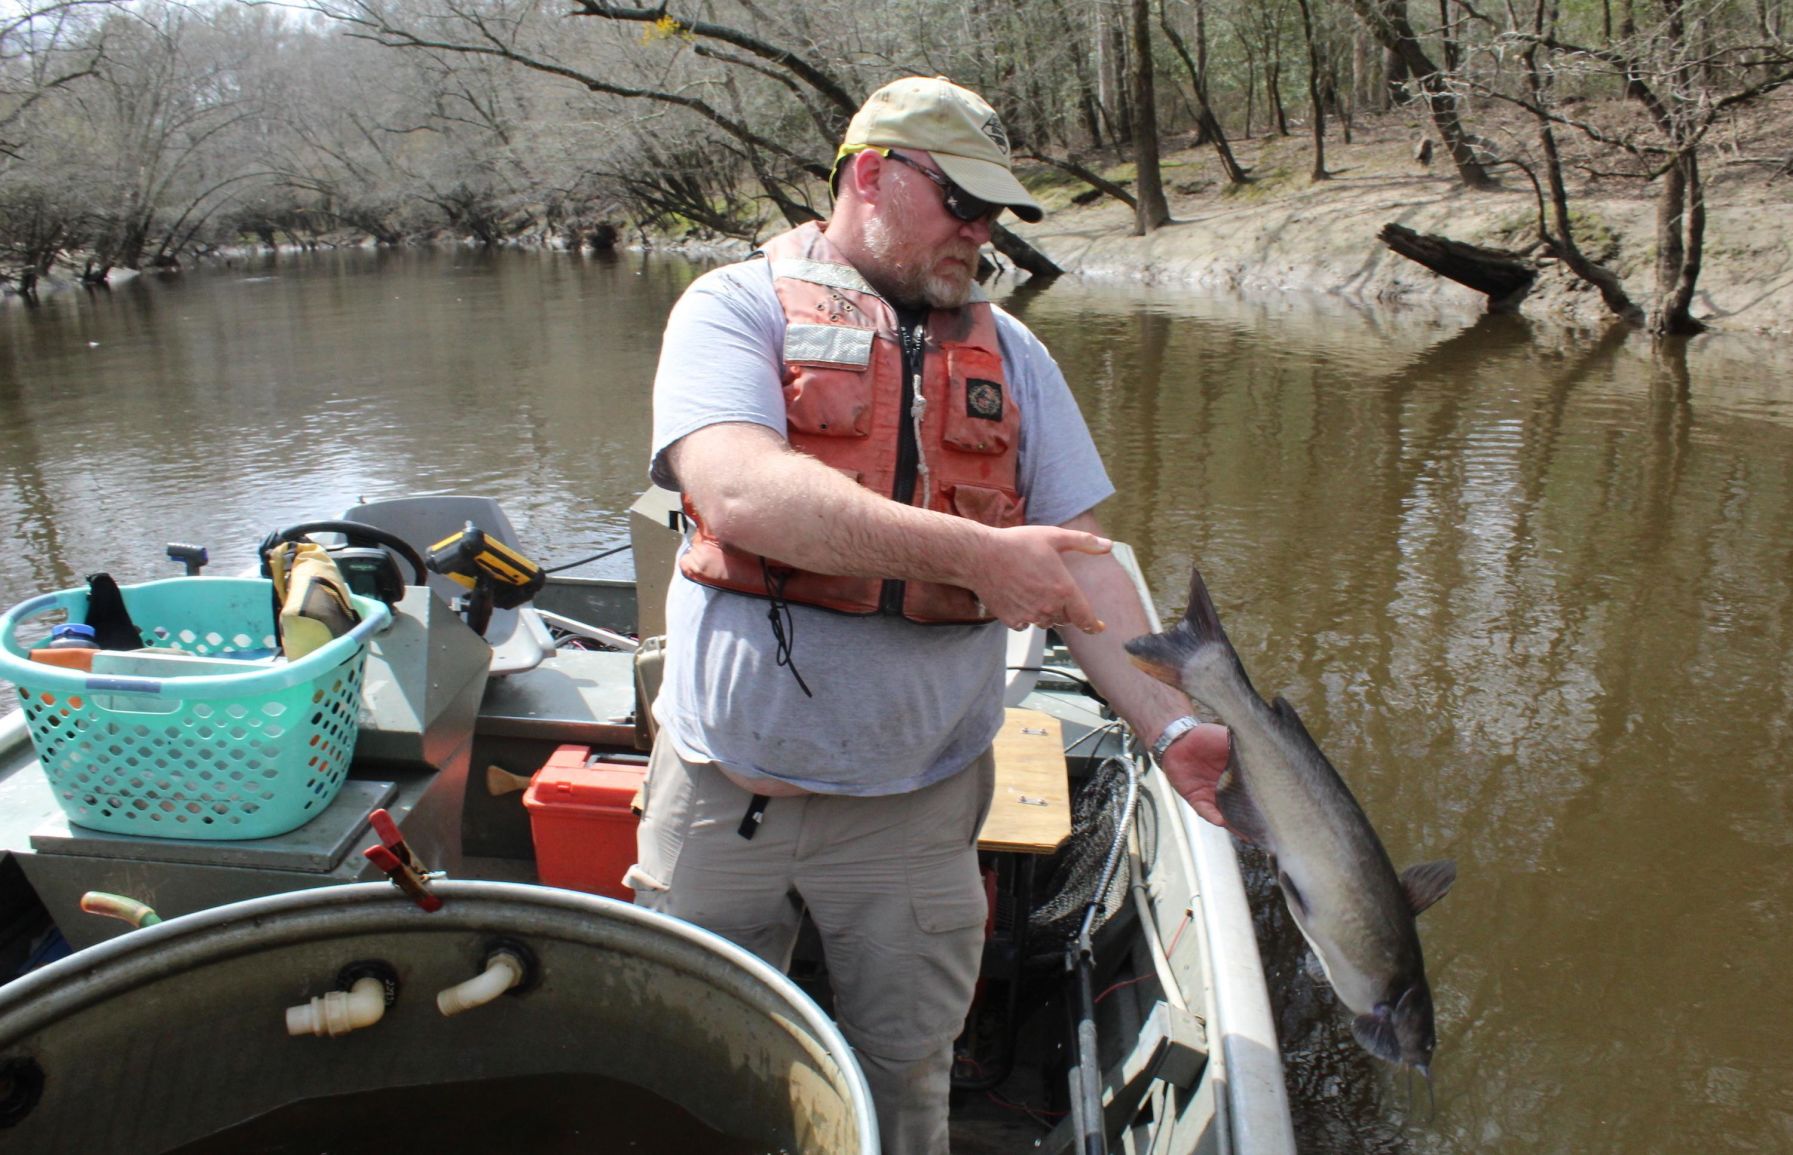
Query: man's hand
point(1194, 764)
point(1021, 577)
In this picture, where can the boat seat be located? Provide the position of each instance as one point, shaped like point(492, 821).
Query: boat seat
point(519, 638)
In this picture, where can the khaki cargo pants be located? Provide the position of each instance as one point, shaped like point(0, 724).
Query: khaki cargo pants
point(892, 885)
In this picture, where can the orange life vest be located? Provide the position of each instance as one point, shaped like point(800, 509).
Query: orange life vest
point(846, 404)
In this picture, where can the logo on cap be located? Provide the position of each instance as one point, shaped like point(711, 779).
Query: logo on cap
point(993, 130)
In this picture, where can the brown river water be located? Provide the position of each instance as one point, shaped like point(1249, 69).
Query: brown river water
point(1532, 593)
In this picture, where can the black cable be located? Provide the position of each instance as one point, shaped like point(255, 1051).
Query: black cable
point(599, 556)
point(1060, 672)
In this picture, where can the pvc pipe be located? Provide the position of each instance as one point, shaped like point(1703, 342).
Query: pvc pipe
point(339, 1012)
point(504, 970)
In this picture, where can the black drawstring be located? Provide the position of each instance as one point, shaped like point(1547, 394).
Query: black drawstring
point(784, 626)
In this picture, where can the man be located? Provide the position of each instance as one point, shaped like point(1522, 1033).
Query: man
point(883, 471)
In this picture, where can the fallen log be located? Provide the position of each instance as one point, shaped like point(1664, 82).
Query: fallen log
point(1504, 276)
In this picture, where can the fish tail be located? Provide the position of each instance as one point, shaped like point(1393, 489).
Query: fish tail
point(1200, 617)
point(1165, 656)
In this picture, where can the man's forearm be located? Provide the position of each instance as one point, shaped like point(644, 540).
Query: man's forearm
point(759, 495)
point(1195, 762)
point(1147, 704)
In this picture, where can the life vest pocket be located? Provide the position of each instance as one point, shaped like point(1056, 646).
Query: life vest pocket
point(980, 413)
point(827, 401)
point(989, 505)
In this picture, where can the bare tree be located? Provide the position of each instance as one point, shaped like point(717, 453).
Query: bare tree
point(161, 118)
point(1387, 21)
point(1207, 124)
point(1317, 107)
point(44, 47)
point(696, 65)
point(1556, 227)
point(1152, 212)
point(1684, 84)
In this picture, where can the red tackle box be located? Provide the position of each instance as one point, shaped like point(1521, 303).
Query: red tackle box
point(581, 820)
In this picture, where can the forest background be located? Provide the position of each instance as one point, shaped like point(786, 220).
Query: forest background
point(137, 133)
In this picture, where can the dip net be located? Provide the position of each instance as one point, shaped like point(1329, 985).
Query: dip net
point(1098, 807)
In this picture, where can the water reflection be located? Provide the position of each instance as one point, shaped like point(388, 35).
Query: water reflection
point(213, 407)
point(1532, 592)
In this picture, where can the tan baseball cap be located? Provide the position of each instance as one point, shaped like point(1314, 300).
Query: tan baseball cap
point(955, 125)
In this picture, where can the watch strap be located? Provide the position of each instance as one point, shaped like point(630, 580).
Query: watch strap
point(1176, 729)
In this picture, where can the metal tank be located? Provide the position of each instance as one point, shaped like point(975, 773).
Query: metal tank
point(175, 1032)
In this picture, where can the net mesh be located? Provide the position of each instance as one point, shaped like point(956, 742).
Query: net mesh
point(1097, 808)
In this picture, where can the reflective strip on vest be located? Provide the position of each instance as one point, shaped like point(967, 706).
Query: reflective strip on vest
point(829, 344)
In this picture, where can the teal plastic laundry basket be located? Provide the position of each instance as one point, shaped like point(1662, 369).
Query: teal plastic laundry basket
point(223, 756)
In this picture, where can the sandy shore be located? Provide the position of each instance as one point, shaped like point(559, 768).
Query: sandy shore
point(1286, 232)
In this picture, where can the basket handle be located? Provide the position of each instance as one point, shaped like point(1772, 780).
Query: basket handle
point(17, 667)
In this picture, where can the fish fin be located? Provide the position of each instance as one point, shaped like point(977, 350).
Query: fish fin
point(1427, 882)
point(1316, 970)
point(1284, 710)
point(1238, 807)
point(1375, 1033)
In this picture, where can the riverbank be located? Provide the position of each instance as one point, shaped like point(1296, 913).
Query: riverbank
point(1285, 232)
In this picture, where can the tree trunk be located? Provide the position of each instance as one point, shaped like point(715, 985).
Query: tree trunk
point(1366, 92)
point(1086, 94)
point(1088, 176)
point(1111, 46)
point(1505, 277)
point(1273, 92)
point(1152, 212)
point(1388, 20)
point(1681, 209)
point(1561, 239)
point(1394, 80)
point(1025, 256)
point(1313, 93)
point(1680, 244)
point(1201, 71)
point(1209, 126)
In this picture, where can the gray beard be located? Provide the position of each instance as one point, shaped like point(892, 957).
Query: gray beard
point(901, 282)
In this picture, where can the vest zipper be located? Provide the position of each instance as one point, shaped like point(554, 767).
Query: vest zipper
point(911, 327)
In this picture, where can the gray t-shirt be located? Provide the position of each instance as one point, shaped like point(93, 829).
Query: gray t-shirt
point(897, 705)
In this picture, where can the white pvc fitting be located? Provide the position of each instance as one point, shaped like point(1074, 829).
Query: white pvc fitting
point(339, 1012)
point(504, 970)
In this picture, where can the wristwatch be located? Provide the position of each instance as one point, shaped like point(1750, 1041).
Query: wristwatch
point(1176, 729)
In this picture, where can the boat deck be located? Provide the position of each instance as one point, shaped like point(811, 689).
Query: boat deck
point(1183, 1029)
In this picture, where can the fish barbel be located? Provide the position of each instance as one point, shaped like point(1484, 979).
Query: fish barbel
point(1280, 792)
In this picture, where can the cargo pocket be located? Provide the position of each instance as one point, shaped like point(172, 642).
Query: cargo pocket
point(981, 416)
point(988, 505)
point(665, 822)
point(944, 881)
point(828, 390)
point(948, 893)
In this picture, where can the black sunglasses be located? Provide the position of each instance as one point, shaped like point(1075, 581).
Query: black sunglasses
point(961, 204)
